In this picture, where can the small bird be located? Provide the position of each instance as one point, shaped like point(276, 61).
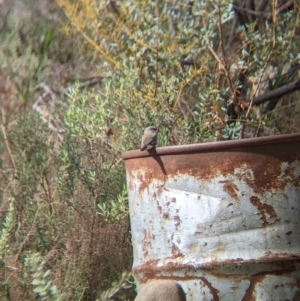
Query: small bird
point(149, 138)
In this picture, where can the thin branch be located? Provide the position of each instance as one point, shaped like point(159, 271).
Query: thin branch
point(269, 56)
point(156, 52)
point(78, 26)
point(260, 13)
point(224, 59)
point(6, 140)
point(26, 238)
point(277, 93)
point(91, 82)
point(46, 116)
point(122, 21)
point(252, 7)
point(262, 5)
point(285, 6)
point(249, 11)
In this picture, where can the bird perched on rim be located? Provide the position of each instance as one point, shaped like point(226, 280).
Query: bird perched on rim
point(149, 138)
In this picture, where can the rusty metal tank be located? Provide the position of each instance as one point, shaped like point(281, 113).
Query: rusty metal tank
point(222, 219)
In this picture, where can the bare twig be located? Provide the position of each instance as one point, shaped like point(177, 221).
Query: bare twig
point(274, 4)
point(232, 88)
point(6, 140)
point(262, 5)
point(232, 31)
point(156, 52)
point(171, 25)
point(223, 66)
point(44, 113)
point(91, 82)
point(260, 11)
point(277, 93)
point(285, 6)
point(249, 11)
point(26, 238)
point(252, 7)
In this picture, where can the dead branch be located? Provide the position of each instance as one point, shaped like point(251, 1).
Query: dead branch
point(90, 82)
point(46, 116)
point(285, 6)
point(249, 11)
point(6, 139)
point(260, 11)
point(277, 93)
point(262, 5)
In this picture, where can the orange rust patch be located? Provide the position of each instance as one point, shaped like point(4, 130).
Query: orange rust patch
point(257, 165)
point(230, 188)
point(130, 185)
point(265, 209)
point(212, 289)
point(166, 215)
point(151, 270)
point(175, 251)
point(147, 242)
point(283, 268)
point(159, 207)
point(253, 281)
point(177, 221)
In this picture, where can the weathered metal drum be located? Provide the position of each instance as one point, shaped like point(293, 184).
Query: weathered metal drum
point(222, 219)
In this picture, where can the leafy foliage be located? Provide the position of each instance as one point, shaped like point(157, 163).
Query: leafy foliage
point(58, 170)
point(54, 212)
point(180, 66)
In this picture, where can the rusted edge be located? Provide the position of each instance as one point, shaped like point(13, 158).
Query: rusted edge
point(152, 267)
point(211, 146)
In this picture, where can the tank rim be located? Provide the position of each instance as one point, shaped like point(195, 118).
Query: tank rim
point(211, 146)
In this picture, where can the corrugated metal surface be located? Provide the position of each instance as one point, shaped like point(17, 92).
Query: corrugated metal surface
point(222, 219)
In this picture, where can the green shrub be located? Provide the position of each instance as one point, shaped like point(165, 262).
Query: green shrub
point(184, 67)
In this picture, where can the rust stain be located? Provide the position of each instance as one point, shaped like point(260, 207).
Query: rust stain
point(177, 220)
point(151, 270)
point(259, 277)
point(159, 207)
point(147, 242)
point(254, 165)
point(264, 163)
point(231, 189)
point(131, 184)
point(278, 266)
point(212, 289)
point(175, 251)
point(265, 210)
point(143, 183)
point(249, 292)
point(297, 293)
point(166, 215)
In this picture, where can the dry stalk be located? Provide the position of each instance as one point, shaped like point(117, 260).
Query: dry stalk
point(44, 113)
point(274, 4)
point(6, 140)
